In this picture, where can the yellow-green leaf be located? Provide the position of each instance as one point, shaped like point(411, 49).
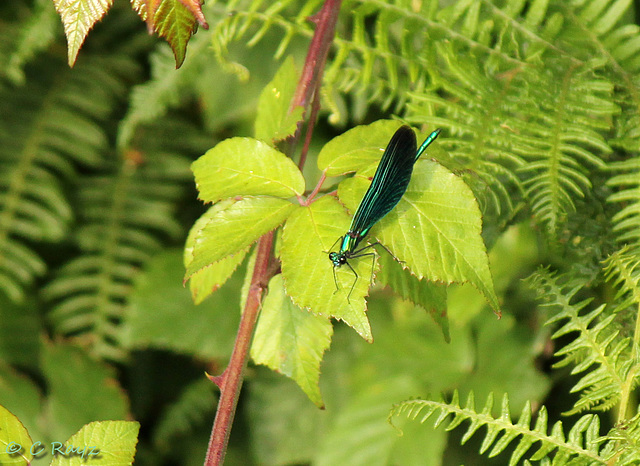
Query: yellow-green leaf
point(435, 229)
point(235, 227)
point(432, 296)
point(357, 147)
point(291, 340)
point(100, 443)
point(246, 167)
point(308, 273)
point(78, 17)
point(209, 279)
point(15, 443)
point(274, 121)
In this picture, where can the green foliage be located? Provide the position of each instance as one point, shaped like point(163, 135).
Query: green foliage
point(206, 331)
point(50, 129)
point(627, 220)
point(580, 446)
point(598, 342)
point(35, 35)
point(539, 105)
point(191, 409)
point(290, 340)
point(107, 442)
point(125, 214)
point(274, 121)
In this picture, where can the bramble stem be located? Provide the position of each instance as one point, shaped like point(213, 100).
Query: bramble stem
point(230, 381)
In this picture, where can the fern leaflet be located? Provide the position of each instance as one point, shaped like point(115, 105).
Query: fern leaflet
point(597, 343)
point(581, 446)
point(49, 127)
point(126, 214)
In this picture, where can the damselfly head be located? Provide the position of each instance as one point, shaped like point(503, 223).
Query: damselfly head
point(337, 258)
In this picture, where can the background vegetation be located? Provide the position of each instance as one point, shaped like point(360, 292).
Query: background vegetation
point(539, 102)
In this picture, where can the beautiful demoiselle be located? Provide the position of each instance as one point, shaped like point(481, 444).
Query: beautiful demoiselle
point(387, 188)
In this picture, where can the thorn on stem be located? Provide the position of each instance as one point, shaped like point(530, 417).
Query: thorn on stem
point(216, 379)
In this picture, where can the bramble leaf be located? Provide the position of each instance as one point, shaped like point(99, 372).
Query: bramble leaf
point(15, 443)
point(175, 20)
point(78, 17)
point(235, 226)
point(356, 148)
point(246, 167)
point(308, 273)
point(209, 279)
point(105, 442)
point(291, 340)
point(274, 121)
point(435, 229)
point(430, 295)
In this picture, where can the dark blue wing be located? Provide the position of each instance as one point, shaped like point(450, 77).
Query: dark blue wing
point(389, 183)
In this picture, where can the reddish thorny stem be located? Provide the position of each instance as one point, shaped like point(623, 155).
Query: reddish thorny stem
point(230, 381)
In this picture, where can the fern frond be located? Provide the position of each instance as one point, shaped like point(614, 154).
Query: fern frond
point(49, 126)
point(192, 408)
point(622, 268)
point(167, 88)
point(522, 124)
point(626, 221)
point(624, 442)
point(511, 33)
point(483, 143)
point(388, 48)
point(566, 119)
point(126, 215)
point(603, 31)
point(35, 34)
point(597, 346)
point(581, 446)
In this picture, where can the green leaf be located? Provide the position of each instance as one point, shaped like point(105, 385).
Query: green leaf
point(246, 166)
point(175, 20)
point(275, 121)
point(435, 229)
point(430, 295)
point(106, 443)
point(78, 17)
point(285, 427)
point(96, 394)
point(357, 147)
point(21, 395)
point(159, 302)
point(234, 227)
point(361, 435)
point(308, 273)
point(15, 443)
point(193, 408)
point(510, 367)
point(20, 328)
point(208, 280)
point(291, 340)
